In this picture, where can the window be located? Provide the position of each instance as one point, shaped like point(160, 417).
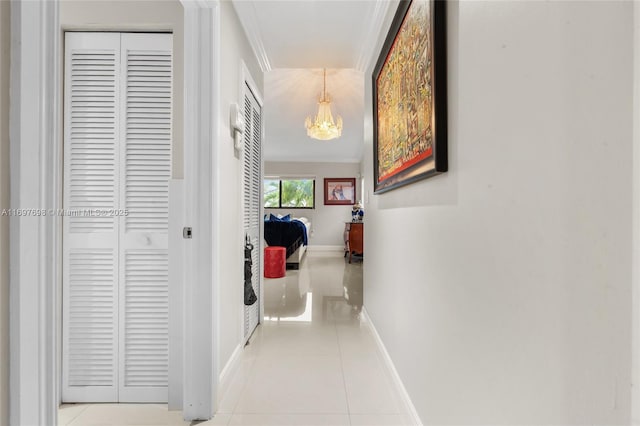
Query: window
point(289, 193)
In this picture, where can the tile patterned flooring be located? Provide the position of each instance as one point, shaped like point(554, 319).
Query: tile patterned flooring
point(313, 361)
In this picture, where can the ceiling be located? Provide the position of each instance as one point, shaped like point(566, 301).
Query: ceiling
point(294, 41)
point(290, 95)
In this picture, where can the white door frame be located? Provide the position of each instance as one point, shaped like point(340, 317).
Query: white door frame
point(36, 168)
point(36, 185)
point(635, 253)
point(201, 108)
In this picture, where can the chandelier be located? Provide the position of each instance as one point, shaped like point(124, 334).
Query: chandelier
point(323, 127)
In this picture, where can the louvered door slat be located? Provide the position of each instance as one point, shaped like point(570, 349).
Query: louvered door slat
point(148, 141)
point(90, 242)
point(92, 143)
point(256, 160)
point(252, 199)
point(144, 318)
point(118, 101)
point(256, 179)
point(248, 131)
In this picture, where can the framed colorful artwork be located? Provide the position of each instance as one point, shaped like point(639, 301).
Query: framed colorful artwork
point(410, 97)
point(339, 191)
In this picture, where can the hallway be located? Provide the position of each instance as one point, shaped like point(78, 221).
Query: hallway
point(313, 361)
point(504, 291)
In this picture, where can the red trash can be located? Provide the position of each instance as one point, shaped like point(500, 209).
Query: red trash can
point(275, 262)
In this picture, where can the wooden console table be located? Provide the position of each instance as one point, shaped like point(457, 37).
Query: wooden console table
point(353, 236)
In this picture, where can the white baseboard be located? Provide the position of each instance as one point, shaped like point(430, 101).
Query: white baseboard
point(227, 372)
point(325, 250)
point(411, 409)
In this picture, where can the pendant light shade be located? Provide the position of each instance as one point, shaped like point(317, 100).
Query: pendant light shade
point(323, 127)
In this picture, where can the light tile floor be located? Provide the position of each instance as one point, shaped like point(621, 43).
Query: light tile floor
point(313, 361)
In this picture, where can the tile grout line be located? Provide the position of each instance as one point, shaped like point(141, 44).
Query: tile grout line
point(303, 413)
point(344, 380)
point(73, 419)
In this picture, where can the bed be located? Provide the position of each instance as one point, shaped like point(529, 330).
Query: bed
point(290, 233)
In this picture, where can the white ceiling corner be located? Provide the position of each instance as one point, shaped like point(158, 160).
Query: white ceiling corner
point(249, 20)
point(372, 34)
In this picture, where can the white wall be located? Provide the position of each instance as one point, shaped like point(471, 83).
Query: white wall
point(228, 184)
point(502, 288)
point(138, 15)
point(635, 351)
point(327, 222)
point(5, 36)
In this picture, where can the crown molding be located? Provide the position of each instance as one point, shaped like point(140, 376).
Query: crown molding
point(371, 36)
point(249, 20)
point(311, 159)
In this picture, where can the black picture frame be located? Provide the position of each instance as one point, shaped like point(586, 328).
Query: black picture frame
point(429, 146)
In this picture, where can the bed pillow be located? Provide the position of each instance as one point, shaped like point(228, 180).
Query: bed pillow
point(280, 218)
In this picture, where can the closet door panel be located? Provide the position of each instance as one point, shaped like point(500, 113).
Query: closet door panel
point(118, 110)
point(252, 185)
point(146, 62)
point(90, 234)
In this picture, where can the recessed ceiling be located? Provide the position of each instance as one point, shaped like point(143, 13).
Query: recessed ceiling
point(290, 95)
point(294, 41)
point(309, 33)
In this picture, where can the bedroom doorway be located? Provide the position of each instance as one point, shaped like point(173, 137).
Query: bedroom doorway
point(252, 201)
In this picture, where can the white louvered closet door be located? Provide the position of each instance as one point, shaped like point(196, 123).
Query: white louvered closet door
point(252, 199)
point(144, 257)
point(117, 157)
point(90, 243)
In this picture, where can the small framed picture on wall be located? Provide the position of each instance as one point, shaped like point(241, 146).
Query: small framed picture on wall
point(339, 191)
